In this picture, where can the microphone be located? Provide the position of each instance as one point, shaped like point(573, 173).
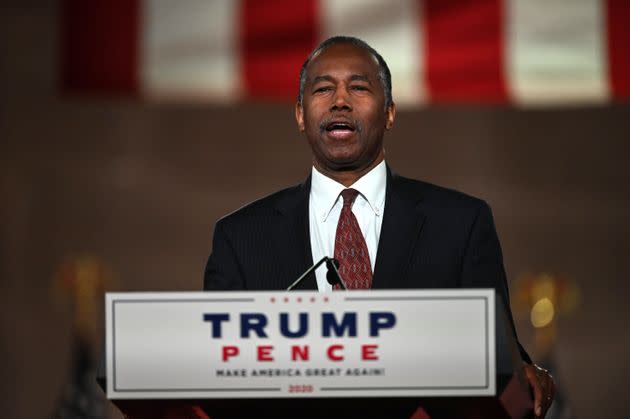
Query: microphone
point(332, 275)
point(305, 274)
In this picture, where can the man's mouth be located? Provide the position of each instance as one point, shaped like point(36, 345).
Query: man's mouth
point(339, 129)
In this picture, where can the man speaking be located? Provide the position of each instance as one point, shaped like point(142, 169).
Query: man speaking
point(385, 230)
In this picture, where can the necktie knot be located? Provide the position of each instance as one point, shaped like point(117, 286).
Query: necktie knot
point(349, 195)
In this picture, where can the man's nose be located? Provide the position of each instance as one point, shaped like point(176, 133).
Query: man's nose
point(341, 100)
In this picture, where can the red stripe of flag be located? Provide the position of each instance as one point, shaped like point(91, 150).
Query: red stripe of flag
point(99, 46)
point(464, 50)
point(618, 19)
point(276, 37)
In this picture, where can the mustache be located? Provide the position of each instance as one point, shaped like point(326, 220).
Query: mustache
point(358, 125)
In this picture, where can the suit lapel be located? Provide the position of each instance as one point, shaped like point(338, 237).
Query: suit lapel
point(402, 224)
point(293, 239)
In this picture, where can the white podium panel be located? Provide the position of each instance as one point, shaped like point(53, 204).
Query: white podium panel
point(300, 344)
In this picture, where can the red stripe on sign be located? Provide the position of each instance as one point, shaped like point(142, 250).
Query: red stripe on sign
point(464, 50)
point(618, 18)
point(99, 46)
point(276, 38)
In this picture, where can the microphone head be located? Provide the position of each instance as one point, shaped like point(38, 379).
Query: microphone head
point(331, 278)
point(331, 274)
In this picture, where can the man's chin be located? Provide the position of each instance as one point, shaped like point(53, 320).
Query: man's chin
point(343, 164)
point(347, 164)
point(345, 167)
point(346, 161)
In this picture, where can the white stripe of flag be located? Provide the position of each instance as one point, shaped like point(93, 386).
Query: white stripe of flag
point(556, 51)
point(190, 49)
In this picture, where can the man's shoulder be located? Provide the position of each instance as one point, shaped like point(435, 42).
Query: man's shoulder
point(265, 207)
point(435, 196)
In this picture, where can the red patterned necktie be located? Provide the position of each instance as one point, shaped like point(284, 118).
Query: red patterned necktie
point(350, 248)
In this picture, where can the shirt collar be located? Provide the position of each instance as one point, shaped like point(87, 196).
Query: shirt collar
point(325, 191)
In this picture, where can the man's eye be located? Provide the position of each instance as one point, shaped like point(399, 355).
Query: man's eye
point(359, 88)
point(323, 89)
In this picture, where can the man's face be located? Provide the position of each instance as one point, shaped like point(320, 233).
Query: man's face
point(343, 110)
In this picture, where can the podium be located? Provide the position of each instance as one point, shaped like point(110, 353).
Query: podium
point(348, 354)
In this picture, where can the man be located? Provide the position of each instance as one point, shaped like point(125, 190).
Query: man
point(409, 234)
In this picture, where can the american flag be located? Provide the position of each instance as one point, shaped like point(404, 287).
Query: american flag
point(522, 52)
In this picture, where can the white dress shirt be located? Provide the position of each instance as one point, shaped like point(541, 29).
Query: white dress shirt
point(325, 203)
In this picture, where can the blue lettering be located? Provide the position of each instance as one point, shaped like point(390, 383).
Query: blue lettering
point(381, 320)
point(253, 322)
point(330, 325)
point(284, 326)
point(215, 322)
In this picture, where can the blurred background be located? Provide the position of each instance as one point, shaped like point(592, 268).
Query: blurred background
point(127, 128)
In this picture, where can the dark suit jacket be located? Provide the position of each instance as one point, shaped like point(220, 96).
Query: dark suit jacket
point(431, 237)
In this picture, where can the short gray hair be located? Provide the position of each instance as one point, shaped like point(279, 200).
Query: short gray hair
point(384, 74)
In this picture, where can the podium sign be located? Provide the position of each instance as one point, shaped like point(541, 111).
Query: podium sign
point(207, 345)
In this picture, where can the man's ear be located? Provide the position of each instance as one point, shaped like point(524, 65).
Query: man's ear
point(390, 116)
point(299, 116)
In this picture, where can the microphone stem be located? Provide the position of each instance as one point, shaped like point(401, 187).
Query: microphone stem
point(308, 271)
point(331, 263)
